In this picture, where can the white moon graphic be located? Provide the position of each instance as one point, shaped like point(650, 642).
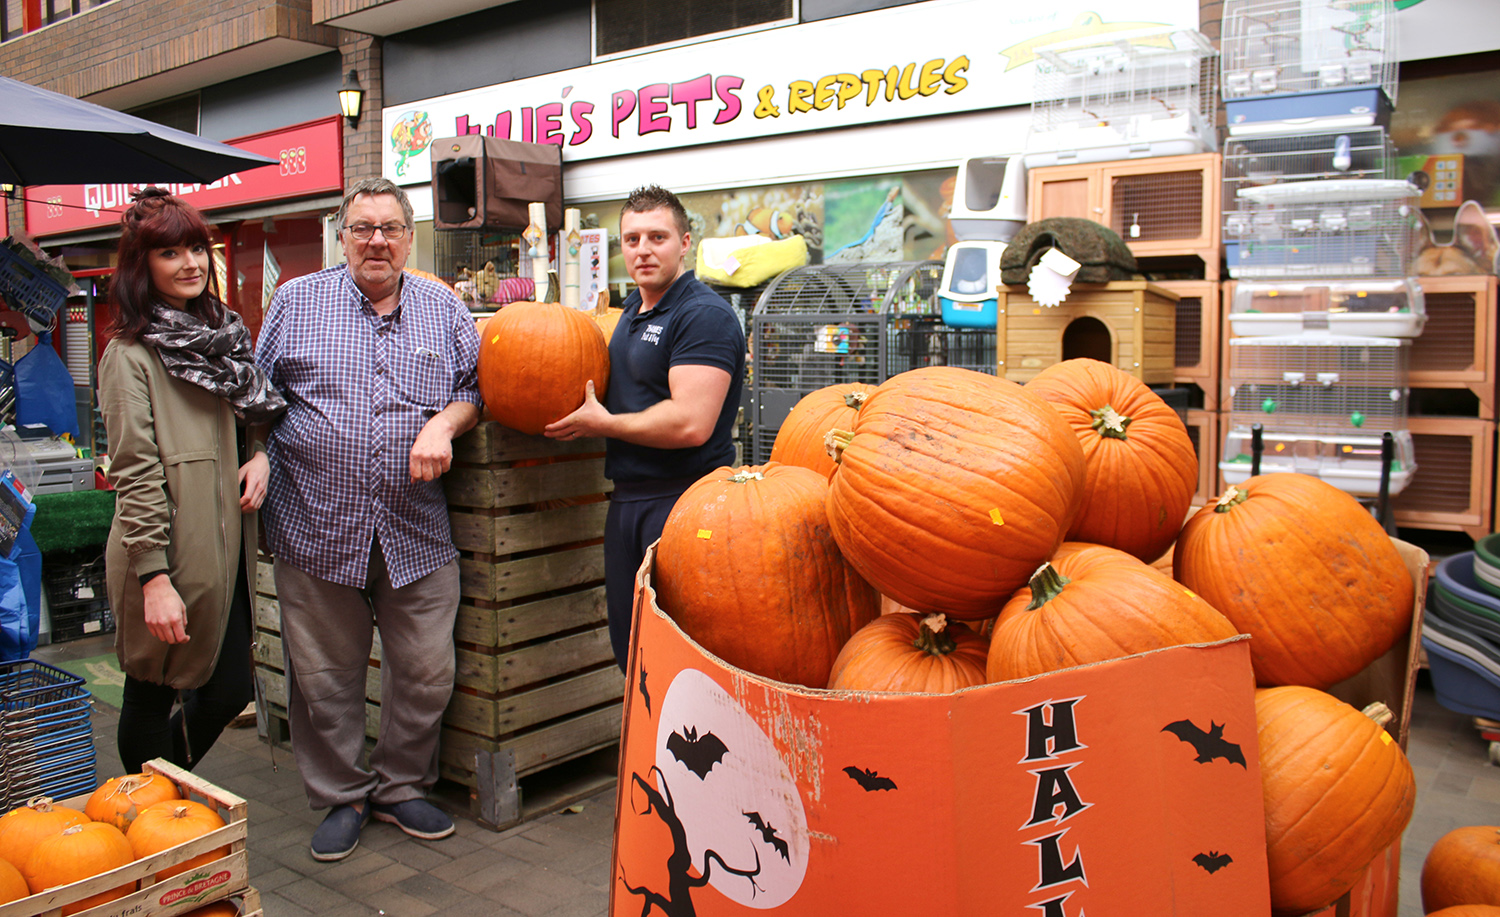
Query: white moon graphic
point(716, 808)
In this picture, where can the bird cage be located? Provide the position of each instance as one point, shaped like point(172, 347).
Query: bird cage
point(1250, 162)
point(1323, 401)
point(1123, 95)
point(1285, 60)
point(831, 324)
point(1338, 228)
point(1377, 307)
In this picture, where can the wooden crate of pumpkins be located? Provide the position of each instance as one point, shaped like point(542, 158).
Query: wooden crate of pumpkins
point(160, 843)
point(535, 672)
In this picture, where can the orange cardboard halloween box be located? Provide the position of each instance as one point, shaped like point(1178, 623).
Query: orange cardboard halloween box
point(1125, 787)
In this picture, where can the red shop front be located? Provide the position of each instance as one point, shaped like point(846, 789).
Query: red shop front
point(271, 224)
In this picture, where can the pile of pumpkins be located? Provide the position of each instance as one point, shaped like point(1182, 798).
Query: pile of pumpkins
point(1012, 530)
point(45, 845)
point(1461, 875)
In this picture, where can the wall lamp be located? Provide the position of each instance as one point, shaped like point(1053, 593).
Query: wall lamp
point(351, 98)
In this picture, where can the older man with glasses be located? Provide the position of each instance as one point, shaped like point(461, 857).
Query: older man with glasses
point(379, 372)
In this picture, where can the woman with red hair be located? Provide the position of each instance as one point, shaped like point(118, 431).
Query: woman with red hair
point(178, 386)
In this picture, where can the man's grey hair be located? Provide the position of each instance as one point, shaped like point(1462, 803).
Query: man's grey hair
point(377, 186)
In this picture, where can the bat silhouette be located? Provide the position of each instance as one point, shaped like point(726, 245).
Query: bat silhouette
point(697, 755)
point(645, 695)
point(1209, 744)
point(869, 780)
point(1213, 861)
point(768, 834)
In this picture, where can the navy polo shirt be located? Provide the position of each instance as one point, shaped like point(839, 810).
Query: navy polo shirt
point(691, 326)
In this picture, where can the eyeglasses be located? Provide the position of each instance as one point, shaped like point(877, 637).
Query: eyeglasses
point(364, 232)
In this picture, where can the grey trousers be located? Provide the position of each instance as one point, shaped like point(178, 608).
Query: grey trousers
point(326, 631)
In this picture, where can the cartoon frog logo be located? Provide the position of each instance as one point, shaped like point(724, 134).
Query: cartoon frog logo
point(410, 135)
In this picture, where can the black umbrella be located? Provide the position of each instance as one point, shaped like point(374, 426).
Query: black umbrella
point(51, 139)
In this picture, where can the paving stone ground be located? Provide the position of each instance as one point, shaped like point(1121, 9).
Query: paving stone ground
point(559, 864)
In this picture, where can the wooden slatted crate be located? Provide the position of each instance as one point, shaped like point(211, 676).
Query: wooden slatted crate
point(1456, 349)
point(1203, 429)
point(536, 680)
point(1453, 489)
point(224, 877)
point(1199, 318)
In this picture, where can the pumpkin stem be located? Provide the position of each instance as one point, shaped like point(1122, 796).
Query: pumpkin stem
point(855, 399)
point(40, 803)
point(128, 784)
point(1232, 497)
point(1110, 423)
point(553, 288)
point(1379, 712)
point(1046, 584)
point(744, 475)
point(835, 442)
point(933, 638)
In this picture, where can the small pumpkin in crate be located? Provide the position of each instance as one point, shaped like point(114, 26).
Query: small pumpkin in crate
point(1467, 910)
point(224, 908)
point(12, 883)
point(120, 799)
point(535, 359)
point(1463, 867)
point(1338, 791)
point(800, 441)
point(1304, 569)
point(76, 853)
point(1091, 603)
point(606, 316)
point(1142, 467)
point(173, 822)
point(951, 487)
point(22, 828)
point(747, 567)
point(910, 652)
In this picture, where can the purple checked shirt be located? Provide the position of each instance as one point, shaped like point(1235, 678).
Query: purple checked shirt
point(359, 388)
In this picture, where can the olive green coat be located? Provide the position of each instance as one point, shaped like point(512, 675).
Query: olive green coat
point(174, 464)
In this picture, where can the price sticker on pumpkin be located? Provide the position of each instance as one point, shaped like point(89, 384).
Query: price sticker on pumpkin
point(995, 517)
point(705, 534)
point(1385, 737)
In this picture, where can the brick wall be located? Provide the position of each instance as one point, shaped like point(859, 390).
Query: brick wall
point(119, 43)
point(362, 144)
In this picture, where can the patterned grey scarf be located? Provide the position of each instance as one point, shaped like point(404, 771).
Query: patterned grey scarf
point(219, 360)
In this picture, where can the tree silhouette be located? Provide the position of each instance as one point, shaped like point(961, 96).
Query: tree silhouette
point(678, 902)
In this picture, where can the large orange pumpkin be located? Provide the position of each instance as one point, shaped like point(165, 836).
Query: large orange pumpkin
point(119, 799)
point(174, 822)
point(535, 359)
point(910, 652)
point(12, 883)
point(22, 828)
point(1142, 468)
point(1091, 603)
point(1463, 867)
point(1338, 791)
point(1304, 569)
point(77, 853)
point(800, 441)
point(1467, 910)
point(952, 487)
point(746, 566)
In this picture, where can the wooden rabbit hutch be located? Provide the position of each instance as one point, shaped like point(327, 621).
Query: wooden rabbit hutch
point(1131, 324)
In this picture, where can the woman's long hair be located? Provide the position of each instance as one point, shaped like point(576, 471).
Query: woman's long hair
point(157, 219)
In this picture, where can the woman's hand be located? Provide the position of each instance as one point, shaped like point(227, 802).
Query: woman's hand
point(166, 616)
point(253, 477)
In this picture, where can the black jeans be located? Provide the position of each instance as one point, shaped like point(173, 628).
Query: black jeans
point(637, 514)
point(148, 727)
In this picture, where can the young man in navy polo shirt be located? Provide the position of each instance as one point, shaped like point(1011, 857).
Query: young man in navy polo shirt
point(677, 365)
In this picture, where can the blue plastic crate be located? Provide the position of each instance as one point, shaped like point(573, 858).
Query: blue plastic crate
point(28, 288)
point(46, 736)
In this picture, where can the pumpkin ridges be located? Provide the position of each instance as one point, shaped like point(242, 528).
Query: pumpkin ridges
point(800, 439)
point(528, 350)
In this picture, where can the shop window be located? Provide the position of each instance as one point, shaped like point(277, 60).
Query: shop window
point(626, 26)
point(15, 20)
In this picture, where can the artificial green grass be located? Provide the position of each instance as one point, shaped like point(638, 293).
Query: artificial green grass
point(72, 521)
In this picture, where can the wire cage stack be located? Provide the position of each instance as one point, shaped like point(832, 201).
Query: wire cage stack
point(831, 324)
point(1289, 59)
point(1250, 162)
point(1338, 228)
point(1140, 93)
point(1324, 401)
point(46, 738)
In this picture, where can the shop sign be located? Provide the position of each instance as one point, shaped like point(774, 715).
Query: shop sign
point(310, 161)
point(933, 58)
